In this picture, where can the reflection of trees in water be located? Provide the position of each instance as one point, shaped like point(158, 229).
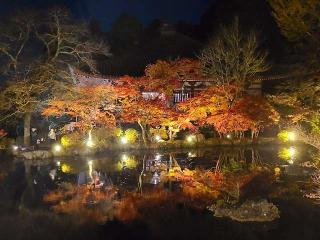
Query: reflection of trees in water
point(227, 159)
point(21, 188)
point(237, 159)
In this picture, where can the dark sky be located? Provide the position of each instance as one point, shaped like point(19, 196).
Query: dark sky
point(107, 10)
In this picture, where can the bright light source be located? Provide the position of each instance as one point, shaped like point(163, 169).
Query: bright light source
point(57, 147)
point(190, 138)
point(158, 138)
point(15, 147)
point(158, 157)
point(90, 163)
point(291, 136)
point(229, 136)
point(89, 142)
point(123, 140)
point(58, 163)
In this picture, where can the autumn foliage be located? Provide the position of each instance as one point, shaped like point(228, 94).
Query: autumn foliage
point(81, 202)
point(147, 101)
point(91, 106)
point(3, 133)
point(227, 113)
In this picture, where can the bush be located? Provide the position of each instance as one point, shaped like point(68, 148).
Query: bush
point(74, 139)
point(118, 132)
point(131, 135)
point(161, 132)
point(286, 136)
point(102, 137)
point(5, 142)
point(66, 141)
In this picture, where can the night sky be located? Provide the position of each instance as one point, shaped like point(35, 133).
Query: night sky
point(106, 11)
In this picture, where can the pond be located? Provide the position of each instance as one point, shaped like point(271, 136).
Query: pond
point(33, 206)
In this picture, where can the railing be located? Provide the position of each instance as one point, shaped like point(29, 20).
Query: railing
point(180, 96)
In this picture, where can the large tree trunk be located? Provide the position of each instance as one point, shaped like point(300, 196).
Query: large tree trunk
point(170, 135)
point(26, 127)
point(143, 133)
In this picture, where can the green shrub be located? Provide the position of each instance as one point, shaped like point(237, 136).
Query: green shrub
point(131, 135)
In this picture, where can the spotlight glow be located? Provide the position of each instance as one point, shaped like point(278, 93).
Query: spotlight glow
point(158, 138)
point(57, 147)
point(291, 136)
point(89, 142)
point(229, 136)
point(124, 140)
point(190, 138)
point(15, 147)
point(191, 154)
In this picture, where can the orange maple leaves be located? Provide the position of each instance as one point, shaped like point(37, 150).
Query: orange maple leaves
point(227, 113)
point(146, 100)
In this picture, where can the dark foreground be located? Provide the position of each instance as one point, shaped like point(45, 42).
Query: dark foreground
point(24, 214)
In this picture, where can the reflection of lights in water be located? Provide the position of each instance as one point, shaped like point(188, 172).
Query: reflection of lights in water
point(52, 174)
point(288, 153)
point(57, 147)
point(155, 178)
point(124, 157)
point(158, 157)
point(292, 151)
point(90, 163)
point(277, 171)
point(123, 140)
point(291, 136)
point(190, 154)
point(158, 138)
point(15, 147)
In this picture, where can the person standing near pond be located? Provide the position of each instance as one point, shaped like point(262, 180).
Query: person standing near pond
point(34, 136)
point(52, 135)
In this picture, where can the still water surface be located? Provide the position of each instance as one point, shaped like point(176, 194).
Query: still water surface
point(24, 214)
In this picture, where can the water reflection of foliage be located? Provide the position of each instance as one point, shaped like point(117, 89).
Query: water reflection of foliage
point(65, 168)
point(192, 188)
point(315, 194)
point(83, 203)
point(287, 154)
point(207, 185)
point(196, 189)
point(127, 162)
point(5, 167)
point(231, 161)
